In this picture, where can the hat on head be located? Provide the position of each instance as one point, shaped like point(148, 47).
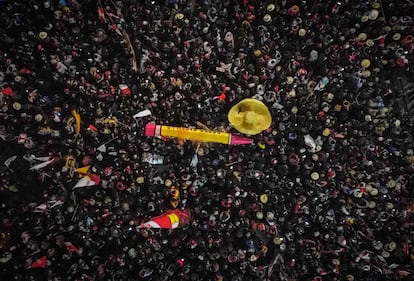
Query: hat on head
point(362, 36)
point(326, 132)
point(271, 7)
point(365, 63)
point(369, 43)
point(179, 16)
point(376, 5)
point(396, 36)
point(250, 116)
point(315, 176)
point(17, 105)
point(293, 10)
point(373, 14)
point(228, 37)
point(267, 18)
point(43, 35)
point(264, 198)
point(366, 73)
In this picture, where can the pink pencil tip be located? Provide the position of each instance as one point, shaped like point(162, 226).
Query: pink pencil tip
point(240, 140)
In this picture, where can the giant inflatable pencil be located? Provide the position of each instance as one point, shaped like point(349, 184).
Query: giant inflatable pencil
point(169, 220)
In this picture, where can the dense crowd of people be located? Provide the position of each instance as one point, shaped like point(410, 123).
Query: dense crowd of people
point(325, 193)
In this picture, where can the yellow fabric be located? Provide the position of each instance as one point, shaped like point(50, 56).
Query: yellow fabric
point(83, 170)
point(250, 116)
point(175, 220)
point(77, 121)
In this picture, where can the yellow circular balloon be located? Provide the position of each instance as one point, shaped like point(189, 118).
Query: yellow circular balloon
point(250, 116)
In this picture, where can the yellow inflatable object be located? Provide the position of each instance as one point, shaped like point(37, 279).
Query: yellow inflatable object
point(250, 116)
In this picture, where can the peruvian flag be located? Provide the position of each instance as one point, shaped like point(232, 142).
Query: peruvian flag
point(169, 220)
point(89, 180)
point(7, 91)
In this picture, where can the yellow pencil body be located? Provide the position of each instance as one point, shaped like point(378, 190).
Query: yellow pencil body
point(195, 134)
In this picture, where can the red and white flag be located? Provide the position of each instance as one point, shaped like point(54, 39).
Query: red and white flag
point(169, 220)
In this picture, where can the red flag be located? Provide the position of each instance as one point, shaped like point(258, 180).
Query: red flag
point(71, 247)
point(39, 263)
point(222, 97)
point(92, 128)
point(96, 178)
point(24, 70)
point(7, 91)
